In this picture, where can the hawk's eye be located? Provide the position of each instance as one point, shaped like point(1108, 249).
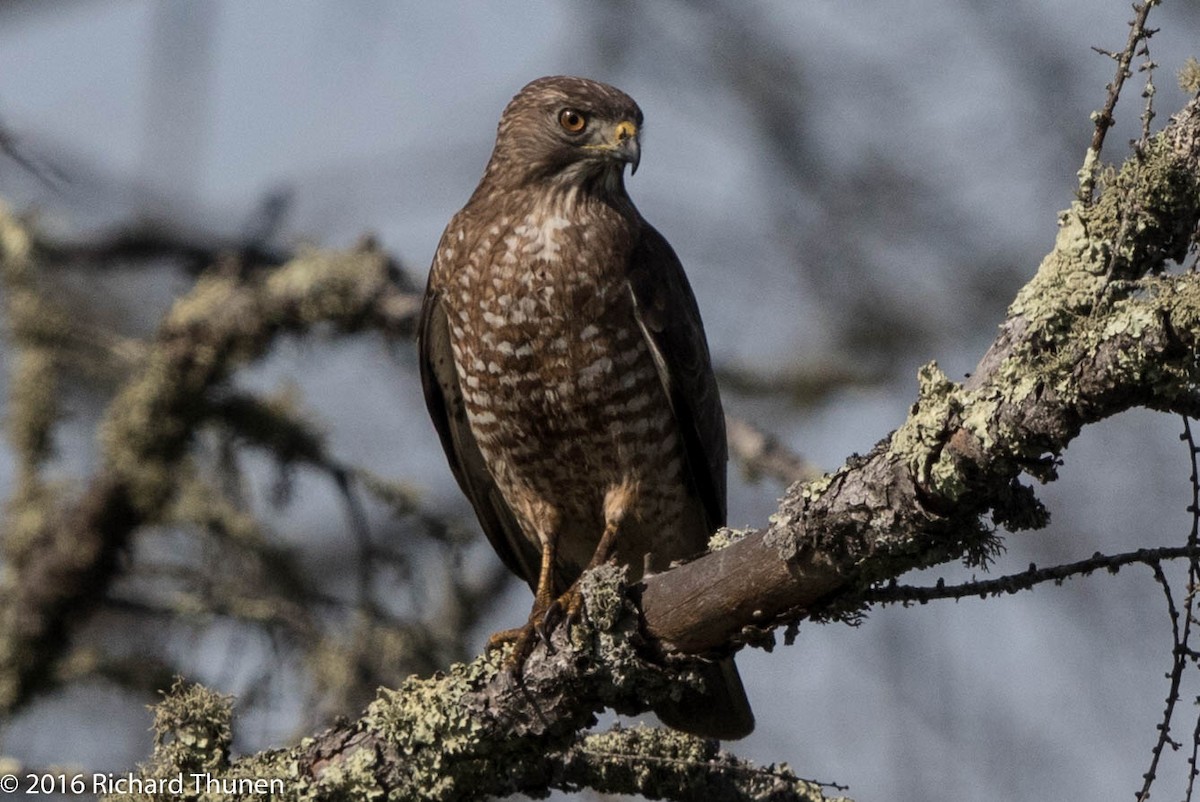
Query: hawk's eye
point(573, 122)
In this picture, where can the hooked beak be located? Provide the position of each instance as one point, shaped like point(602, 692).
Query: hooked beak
point(621, 143)
point(627, 145)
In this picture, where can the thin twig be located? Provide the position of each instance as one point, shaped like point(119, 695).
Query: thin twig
point(1193, 580)
point(1178, 662)
point(1104, 118)
point(1012, 583)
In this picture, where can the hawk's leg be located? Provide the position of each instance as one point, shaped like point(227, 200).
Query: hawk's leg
point(543, 600)
point(618, 501)
point(547, 610)
point(571, 602)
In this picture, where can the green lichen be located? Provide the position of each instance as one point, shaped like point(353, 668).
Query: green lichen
point(607, 605)
point(1189, 76)
point(979, 414)
point(33, 408)
point(16, 246)
point(212, 296)
point(1087, 173)
point(646, 761)
point(1147, 214)
point(434, 722)
point(199, 503)
point(1140, 219)
point(193, 730)
point(919, 442)
point(35, 328)
point(216, 328)
point(327, 285)
point(811, 491)
point(1183, 299)
point(1070, 277)
point(726, 537)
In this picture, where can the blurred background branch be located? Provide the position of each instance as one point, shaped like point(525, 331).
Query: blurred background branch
point(174, 438)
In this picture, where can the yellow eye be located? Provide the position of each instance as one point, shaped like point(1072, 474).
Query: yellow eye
point(572, 121)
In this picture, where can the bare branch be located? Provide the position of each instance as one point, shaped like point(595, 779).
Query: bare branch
point(1181, 629)
point(1014, 583)
point(1138, 33)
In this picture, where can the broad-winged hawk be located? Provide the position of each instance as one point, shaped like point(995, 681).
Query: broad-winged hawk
point(566, 369)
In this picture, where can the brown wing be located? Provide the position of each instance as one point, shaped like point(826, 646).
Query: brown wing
point(443, 397)
point(670, 321)
point(667, 313)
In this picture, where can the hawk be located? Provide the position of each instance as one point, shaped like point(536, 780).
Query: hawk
point(566, 369)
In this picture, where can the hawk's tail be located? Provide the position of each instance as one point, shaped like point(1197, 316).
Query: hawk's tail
point(722, 711)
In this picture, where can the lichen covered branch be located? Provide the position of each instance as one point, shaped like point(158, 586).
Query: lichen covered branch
point(1101, 328)
point(476, 731)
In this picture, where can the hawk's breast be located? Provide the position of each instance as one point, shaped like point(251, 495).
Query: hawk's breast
point(559, 385)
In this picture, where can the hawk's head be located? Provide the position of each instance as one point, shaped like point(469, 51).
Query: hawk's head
point(568, 132)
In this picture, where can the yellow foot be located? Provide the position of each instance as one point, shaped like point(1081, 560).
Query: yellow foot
point(566, 608)
point(523, 638)
point(542, 621)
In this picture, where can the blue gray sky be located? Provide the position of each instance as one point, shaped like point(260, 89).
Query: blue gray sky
point(799, 157)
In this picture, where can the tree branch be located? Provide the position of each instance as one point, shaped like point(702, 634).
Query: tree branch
point(1015, 583)
point(476, 731)
point(645, 761)
point(1138, 33)
point(1099, 329)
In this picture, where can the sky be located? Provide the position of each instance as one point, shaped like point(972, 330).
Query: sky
point(911, 152)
